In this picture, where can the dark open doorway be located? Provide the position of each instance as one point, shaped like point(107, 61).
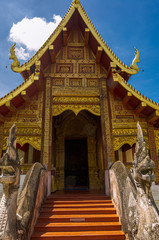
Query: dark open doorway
point(76, 164)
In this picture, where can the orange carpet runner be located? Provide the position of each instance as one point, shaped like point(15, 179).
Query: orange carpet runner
point(78, 217)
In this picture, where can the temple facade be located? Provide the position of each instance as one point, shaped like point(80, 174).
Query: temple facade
point(75, 111)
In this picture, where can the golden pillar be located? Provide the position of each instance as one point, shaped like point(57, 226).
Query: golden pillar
point(106, 128)
point(153, 150)
point(94, 183)
point(47, 125)
point(60, 159)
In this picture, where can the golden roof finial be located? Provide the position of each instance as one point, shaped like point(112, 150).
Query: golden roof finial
point(135, 60)
point(76, 1)
point(15, 62)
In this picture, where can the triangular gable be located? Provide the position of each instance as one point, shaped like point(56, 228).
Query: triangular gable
point(76, 6)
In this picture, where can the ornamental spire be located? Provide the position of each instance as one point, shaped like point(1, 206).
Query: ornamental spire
point(15, 62)
point(76, 1)
point(135, 60)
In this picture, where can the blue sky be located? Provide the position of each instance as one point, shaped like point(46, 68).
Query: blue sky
point(123, 24)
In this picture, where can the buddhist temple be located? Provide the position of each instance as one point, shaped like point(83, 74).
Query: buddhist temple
point(76, 111)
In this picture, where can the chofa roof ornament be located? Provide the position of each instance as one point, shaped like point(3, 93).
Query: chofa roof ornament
point(135, 61)
point(15, 64)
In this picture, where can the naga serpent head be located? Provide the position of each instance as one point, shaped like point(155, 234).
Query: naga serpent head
point(142, 164)
point(135, 61)
point(15, 64)
point(9, 163)
point(12, 51)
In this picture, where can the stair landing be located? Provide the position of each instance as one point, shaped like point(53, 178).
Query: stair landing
point(78, 216)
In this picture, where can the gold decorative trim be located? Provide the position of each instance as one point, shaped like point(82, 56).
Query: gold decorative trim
point(87, 100)
point(58, 109)
point(122, 132)
point(25, 131)
point(125, 125)
point(60, 92)
point(76, 104)
point(118, 142)
point(25, 135)
point(34, 141)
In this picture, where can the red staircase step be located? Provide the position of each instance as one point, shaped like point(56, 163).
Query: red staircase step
point(77, 201)
point(64, 211)
point(47, 217)
point(78, 197)
point(78, 217)
point(77, 226)
point(78, 205)
point(86, 235)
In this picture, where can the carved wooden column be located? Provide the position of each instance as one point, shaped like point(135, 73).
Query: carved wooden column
point(107, 144)
point(94, 183)
point(108, 155)
point(47, 125)
point(60, 159)
point(153, 150)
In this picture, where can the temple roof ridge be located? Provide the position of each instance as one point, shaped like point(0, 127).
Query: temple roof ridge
point(18, 90)
point(137, 94)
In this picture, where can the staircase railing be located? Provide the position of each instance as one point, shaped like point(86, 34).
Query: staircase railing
point(31, 198)
point(131, 194)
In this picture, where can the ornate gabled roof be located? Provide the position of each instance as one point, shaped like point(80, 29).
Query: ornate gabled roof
point(32, 70)
point(76, 5)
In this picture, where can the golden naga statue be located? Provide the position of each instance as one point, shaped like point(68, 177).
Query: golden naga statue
point(15, 63)
point(136, 60)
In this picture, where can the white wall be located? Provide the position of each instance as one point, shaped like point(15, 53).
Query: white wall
point(20, 185)
point(155, 193)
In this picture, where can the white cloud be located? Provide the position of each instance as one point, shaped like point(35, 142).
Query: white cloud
point(31, 34)
point(21, 54)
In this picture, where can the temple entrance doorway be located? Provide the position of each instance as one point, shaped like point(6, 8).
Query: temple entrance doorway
point(77, 151)
point(76, 164)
